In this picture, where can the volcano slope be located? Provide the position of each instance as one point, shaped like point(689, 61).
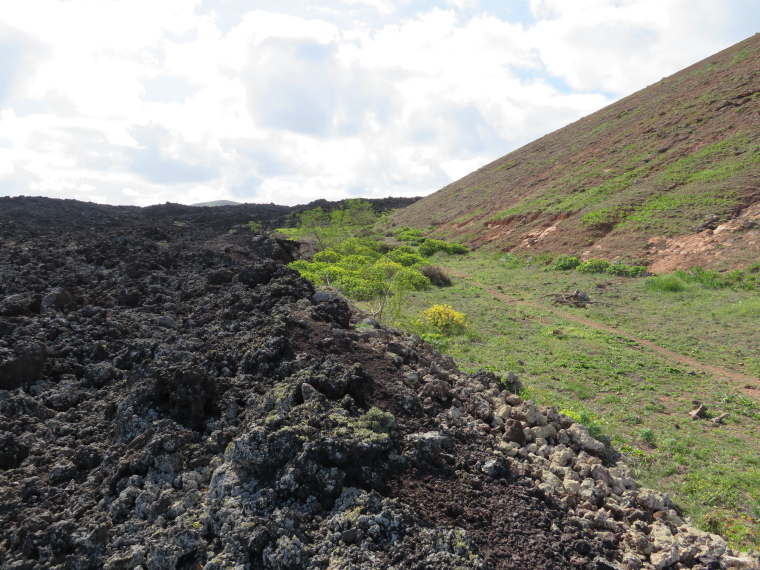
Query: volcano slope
point(667, 177)
point(173, 396)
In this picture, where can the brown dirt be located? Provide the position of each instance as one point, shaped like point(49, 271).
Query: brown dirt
point(708, 247)
point(746, 384)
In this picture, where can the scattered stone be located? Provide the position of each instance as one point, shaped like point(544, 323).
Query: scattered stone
point(58, 299)
point(717, 420)
point(699, 412)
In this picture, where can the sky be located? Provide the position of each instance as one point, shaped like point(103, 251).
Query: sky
point(141, 102)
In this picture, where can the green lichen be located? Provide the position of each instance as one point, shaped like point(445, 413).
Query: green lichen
point(378, 421)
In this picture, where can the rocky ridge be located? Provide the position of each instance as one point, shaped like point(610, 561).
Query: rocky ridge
point(174, 396)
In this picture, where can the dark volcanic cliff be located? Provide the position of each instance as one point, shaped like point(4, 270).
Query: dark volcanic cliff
point(173, 396)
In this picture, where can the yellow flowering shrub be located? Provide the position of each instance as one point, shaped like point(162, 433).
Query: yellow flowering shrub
point(444, 319)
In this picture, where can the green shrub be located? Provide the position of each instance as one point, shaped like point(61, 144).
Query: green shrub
point(408, 235)
point(431, 246)
point(593, 266)
point(668, 283)
point(357, 287)
point(319, 272)
point(647, 435)
point(359, 246)
point(637, 270)
point(457, 249)
point(566, 262)
point(407, 259)
point(354, 262)
point(352, 219)
point(327, 256)
point(620, 269)
point(301, 265)
point(409, 279)
point(378, 421)
point(383, 268)
point(439, 341)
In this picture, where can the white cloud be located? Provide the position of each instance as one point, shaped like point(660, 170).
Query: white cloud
point(382, 6)
point(456, 168)
point(189, 101)
point(619, 47)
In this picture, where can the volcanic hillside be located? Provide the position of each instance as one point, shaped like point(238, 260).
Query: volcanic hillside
point(669, 175)
point(173, 396)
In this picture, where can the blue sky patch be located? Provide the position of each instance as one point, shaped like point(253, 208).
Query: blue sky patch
point(166, 89)
point(10, 60)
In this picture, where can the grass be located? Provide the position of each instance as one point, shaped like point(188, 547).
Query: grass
point(629, 393)
point(665, 283)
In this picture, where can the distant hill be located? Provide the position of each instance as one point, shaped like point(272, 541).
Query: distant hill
point(51, 214)
point(217, 203)
point(669, 175)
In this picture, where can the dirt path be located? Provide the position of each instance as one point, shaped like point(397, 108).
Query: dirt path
point(746, 384)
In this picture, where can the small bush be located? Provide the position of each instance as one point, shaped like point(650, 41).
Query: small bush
point(410, 236)
point(431, 246)
point(436, 275)
point(439, 341)
point(359, 246)
point(457, 249)
point(354, 262)
point(593, 266)
point(378, 421)
point(668, 283)
point(444, 319)
point(620, 269)
point(409, 279)
point(566, 262)
point(647, 435)
point(327, 256)
point(637, 270)
point(356, 287)
point(407, 259)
